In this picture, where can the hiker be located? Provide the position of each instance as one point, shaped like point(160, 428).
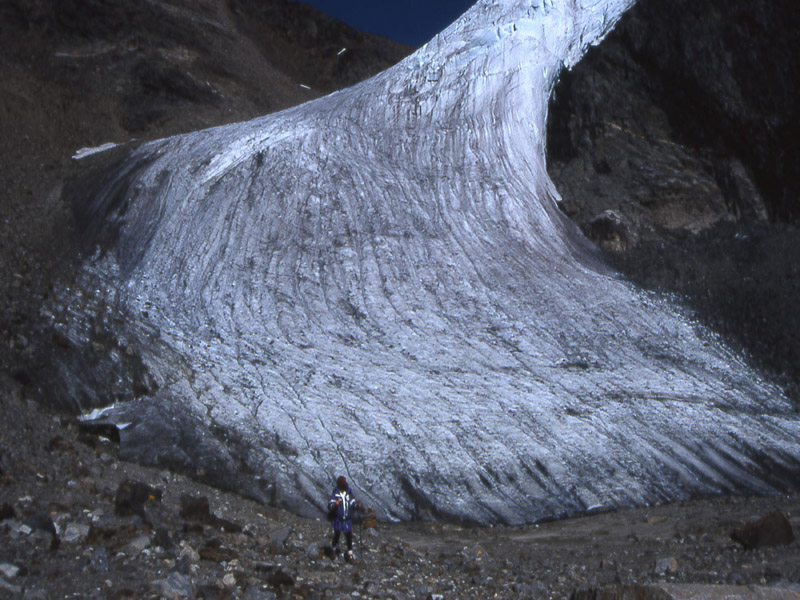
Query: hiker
point(340, 512)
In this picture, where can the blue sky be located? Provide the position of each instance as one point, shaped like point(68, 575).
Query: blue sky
point(409, 21)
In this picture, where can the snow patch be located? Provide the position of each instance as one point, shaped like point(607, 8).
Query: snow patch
point(84, 152)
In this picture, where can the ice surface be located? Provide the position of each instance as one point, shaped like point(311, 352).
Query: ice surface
point(379, 284)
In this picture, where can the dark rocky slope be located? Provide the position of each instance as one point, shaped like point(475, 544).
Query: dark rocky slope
point(676, 147)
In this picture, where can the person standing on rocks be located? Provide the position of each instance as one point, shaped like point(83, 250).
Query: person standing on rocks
point(340, 512)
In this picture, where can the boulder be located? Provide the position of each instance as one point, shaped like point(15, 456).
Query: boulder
point(196, 509)
point(214, 551)
point(771, 530)
point(7, 512)
point(176, 587)
point(8, 570)
point(665, 566)
point(281, 578)
point(131, 497)
point(76, 533)
point(611, 231)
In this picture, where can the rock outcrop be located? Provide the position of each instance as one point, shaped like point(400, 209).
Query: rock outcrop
point(674, 144)
point(684, 117)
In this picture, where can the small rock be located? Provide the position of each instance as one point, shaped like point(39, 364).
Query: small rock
point(665, 565)
point(7, 512)
point(737, 578)
point(14, 589)
point(229, 581)
point(216, 552)
point(131, 497)
point(657, 520)
point(98, 561)
point(281, 578)
point(136, 546)
point(313, 551)
point(16, 529)
point(212, 591)
point(196, 510)
point(189, 553)
point(8, 570)
point(41, 522)
point(253, 593)
point(75, 533)
point(176, 587)
point(280, 534)
point(772, 573)
point(372, 588)
point(227, 526)
point(163, 539)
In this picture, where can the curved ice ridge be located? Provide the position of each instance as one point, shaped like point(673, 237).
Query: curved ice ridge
point(379, 283)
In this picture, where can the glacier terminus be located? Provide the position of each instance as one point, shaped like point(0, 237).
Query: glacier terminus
point(380, 284)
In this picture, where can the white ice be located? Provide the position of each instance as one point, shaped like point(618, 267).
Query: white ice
point(379, 284)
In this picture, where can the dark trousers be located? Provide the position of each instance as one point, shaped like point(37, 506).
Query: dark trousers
point(348, 536)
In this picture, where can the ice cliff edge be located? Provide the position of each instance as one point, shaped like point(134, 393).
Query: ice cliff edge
point(379, 283)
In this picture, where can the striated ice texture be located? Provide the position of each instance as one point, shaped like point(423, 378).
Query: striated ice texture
point(380, 284)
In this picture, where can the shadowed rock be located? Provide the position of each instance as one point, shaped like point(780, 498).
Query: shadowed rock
point(772, 530)
point(131, 497)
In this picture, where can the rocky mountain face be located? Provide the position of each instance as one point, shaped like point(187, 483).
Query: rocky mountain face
point(379, 282)
point(675, 147)
point(684, 117)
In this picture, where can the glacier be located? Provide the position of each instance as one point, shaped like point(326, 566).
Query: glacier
point(380, 284)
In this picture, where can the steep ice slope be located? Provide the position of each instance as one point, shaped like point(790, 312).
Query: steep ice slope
point(379, 283)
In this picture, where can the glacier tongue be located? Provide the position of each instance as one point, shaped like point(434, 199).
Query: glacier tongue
point(379, 284)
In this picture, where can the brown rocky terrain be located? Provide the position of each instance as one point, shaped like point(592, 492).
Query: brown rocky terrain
point(76, 74)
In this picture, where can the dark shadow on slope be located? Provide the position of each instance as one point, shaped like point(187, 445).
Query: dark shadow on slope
point(675, 146)
point(742, 282)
